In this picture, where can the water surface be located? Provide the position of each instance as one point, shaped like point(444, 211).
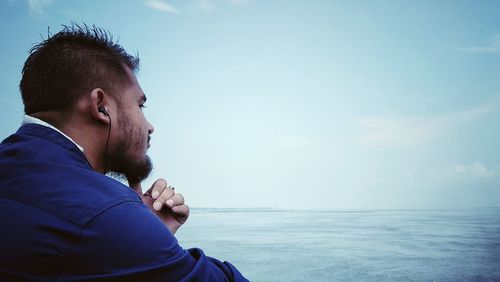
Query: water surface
point(355, 245)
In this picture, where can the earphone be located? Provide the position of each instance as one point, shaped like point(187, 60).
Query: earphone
point(103, 110)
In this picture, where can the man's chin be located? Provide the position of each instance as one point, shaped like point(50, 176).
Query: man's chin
point(133, 172)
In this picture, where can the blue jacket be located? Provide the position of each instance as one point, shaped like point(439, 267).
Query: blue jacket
point(61, 221)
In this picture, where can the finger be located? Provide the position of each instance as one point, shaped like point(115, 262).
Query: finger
point(165, 195)
point(182, 210)
point(158, 187)
point(176, 200)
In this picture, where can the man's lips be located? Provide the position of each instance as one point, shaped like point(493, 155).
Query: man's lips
point(149, 139)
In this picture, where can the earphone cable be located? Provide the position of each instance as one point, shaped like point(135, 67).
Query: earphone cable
point(106, 151)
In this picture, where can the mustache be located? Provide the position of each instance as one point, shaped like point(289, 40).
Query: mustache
point(149, 138)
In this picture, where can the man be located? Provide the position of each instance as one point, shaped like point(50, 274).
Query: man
point(61, 218)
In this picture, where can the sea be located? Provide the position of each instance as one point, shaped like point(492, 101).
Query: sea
point(350, 245)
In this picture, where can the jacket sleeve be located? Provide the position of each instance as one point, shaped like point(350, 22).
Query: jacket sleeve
point(128, 242)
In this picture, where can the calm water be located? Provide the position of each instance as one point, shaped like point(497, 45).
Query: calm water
point(365, 245)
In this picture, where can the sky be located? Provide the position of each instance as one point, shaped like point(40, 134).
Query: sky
point(300, 104)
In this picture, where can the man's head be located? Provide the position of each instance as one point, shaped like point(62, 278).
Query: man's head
point(81, 71)
point(70, 63)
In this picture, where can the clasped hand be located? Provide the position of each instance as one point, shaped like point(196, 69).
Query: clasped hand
point(163, 201)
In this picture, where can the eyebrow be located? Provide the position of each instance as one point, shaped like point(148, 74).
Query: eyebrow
point(143, 98)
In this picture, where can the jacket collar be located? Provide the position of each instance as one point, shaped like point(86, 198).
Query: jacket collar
point(53, 136)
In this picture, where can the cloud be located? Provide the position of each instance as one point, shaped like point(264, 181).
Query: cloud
point(475, 170)
point(491, 46)
point(411, 131)
point(161, 6)
point(37, 7)
point(396, 131)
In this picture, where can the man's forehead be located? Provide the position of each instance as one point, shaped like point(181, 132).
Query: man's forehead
point(131, 75)
point(133, 78)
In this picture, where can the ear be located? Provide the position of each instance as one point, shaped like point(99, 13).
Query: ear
point(99, 106)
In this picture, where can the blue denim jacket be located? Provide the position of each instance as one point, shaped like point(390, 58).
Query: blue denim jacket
point(62, 221)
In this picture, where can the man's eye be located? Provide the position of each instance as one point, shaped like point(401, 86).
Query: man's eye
point(142, 106)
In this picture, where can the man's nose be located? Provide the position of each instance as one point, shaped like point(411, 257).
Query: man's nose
point(151, 129)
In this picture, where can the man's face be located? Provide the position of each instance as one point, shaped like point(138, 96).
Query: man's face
point(130, 136)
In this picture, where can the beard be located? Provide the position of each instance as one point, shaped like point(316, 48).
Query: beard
point(133, 172)
point(122, 165)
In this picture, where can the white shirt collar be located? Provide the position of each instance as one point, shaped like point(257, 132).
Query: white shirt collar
point(27, 119)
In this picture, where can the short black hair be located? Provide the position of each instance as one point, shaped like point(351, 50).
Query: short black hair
point(76, 60)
